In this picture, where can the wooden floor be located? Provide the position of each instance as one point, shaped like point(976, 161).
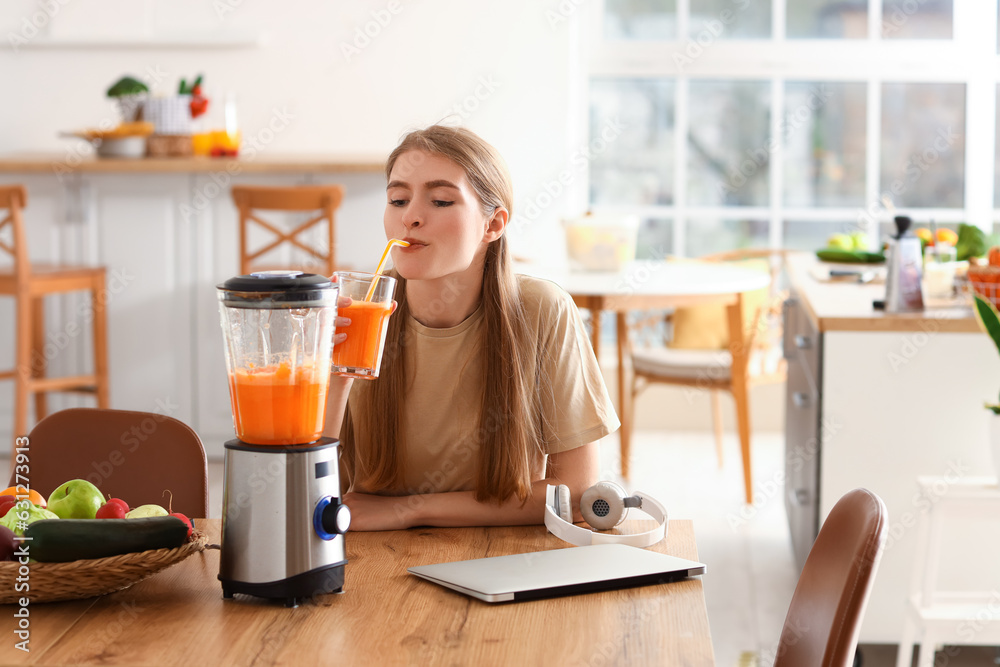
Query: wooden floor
point(751, 574)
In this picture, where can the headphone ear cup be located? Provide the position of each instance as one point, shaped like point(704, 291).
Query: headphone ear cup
point(603, 505)
point(565, 504)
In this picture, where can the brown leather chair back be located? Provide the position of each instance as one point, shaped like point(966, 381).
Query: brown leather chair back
point(135, 456)
point(824, 617)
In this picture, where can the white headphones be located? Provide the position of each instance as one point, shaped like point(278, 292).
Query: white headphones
point(603, 506)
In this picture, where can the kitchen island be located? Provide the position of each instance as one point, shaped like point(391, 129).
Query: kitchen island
point(876, 400)
point(166, 229)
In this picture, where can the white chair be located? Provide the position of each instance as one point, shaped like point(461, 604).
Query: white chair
point(933, 617)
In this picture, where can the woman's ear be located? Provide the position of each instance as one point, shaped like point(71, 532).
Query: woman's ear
point(496, 225)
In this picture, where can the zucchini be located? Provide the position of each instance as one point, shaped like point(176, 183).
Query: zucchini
point(850, 256)
point(63, 540)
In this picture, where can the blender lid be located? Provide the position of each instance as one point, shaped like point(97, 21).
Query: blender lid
point(287, 288)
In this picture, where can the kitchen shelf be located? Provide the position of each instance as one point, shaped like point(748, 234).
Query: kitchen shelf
point(223, 40)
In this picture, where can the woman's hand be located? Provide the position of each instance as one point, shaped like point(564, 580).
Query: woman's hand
point(340, 322)
point(371, 512)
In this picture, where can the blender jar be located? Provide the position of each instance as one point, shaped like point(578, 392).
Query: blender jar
point(278, 329)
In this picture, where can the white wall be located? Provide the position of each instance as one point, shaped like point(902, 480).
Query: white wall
point(509, 70)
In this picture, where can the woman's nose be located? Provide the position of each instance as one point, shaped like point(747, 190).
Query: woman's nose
point(411, 218)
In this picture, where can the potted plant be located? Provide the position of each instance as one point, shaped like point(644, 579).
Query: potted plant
point(989, 321)
point(129, 93)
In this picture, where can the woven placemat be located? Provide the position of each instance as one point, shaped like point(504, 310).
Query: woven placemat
point(75, 580)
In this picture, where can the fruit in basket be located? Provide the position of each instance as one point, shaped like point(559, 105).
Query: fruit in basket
point(21, 517)
point(188, 522)
point(946, 236)
point(8, 545)
point(76, 499)
point(76, 539)
point(6, 502)
point(993, 256)
point(115, 508)
point(33, 496)
point(146, 511)
point(840, 242)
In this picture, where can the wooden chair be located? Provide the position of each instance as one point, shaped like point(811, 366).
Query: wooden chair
point(324, 199)
point(135, 456)
point(29, 285)
point(710, 368)
point(828, 605)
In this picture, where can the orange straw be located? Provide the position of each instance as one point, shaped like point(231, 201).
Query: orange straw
point(381, 265)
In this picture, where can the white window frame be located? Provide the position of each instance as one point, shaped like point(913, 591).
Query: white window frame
point(970, 58)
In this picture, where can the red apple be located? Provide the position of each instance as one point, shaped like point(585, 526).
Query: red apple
point(115, 508)
point(6, 502)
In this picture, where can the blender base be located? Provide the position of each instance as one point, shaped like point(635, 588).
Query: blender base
point(293, 590)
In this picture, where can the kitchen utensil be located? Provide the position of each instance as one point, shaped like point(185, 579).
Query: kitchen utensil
point(902, 284)
point(283, 523)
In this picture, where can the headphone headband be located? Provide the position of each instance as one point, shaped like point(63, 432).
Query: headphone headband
point(582, 537)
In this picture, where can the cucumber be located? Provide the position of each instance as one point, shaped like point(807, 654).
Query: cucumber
point(850, 256)
point(63, 540)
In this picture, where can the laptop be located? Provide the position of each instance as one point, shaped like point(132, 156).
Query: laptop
point(571, 571)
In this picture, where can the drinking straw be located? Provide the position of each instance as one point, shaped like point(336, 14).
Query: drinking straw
point(381, 265)
point(937, 250)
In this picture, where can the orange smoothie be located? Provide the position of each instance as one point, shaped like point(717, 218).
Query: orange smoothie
point(274, 406)
point(363, 347)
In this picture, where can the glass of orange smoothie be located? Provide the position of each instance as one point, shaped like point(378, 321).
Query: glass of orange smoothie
point(360, 355)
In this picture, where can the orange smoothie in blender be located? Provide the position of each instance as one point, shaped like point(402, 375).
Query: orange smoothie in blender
point(274, 405)
point(363, 346)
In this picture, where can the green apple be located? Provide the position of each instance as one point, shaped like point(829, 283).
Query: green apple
point(859, 240)
point(840, 242)
point(143, 511)
point(15, 517)
point(76, 499)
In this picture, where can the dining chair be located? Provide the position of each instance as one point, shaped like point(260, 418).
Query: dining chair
point(143, 458)
point(828, 605)
point(29, 284)
point(691, 351)
point(322, 200)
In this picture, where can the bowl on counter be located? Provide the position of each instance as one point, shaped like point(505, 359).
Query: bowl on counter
point(121, 147)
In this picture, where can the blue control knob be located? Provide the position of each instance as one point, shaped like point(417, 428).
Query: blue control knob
point(331, 518)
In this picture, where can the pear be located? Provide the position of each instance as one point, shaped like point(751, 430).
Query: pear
point(143, 511)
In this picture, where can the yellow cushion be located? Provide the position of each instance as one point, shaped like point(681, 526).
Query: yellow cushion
point(706, 327)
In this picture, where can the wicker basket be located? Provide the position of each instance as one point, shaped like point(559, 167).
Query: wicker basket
point(985, 281)
point(51, 582)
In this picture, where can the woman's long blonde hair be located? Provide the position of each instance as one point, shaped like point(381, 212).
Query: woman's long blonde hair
point(508, 439)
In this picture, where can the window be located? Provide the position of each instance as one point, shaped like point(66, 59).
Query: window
point(778, 122)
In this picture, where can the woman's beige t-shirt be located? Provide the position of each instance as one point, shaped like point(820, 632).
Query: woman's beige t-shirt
point(440, 420)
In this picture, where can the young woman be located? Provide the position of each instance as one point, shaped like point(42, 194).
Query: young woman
point(489, 389)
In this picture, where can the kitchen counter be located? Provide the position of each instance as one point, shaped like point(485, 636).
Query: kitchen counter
point(262, 163)
point(878, 400)
point(844, 306)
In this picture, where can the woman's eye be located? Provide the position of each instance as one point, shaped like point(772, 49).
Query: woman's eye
point(397, 202)
point(442, 204)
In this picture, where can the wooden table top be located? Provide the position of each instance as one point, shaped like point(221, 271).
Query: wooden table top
point(385, 616)
point(319, 163)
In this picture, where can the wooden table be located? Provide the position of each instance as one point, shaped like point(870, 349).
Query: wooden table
point(652, 285)
point(385, 616)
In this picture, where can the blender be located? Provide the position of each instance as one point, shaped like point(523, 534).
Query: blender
point(283, 523)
